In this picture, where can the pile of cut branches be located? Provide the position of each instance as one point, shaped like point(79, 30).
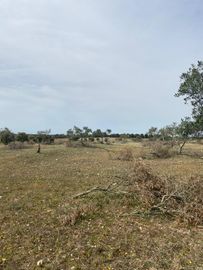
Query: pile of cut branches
point(158, 195)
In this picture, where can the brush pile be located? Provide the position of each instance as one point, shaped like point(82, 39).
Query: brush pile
point(158, 195)
point(166, 195)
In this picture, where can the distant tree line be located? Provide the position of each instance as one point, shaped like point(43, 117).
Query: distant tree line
point(184, 130)
point(76, 133)
point(7, 136)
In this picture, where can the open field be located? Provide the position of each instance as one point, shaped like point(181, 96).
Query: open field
point(43, 227)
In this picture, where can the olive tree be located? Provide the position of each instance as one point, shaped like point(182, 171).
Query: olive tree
point(6, 136)
point(87, 132)
point(169, 132)
point(191, 88)
point(152, 132)
point(22, 137)
point(185, 129)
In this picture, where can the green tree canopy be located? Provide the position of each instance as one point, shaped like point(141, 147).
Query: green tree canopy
point(191, 88)
point(22, 137)
point(6, 136)
point(186, 128)
point(87, 132)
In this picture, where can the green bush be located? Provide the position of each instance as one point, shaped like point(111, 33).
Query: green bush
point(6, 136)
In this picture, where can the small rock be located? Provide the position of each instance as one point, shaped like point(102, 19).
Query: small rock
point(40, 263)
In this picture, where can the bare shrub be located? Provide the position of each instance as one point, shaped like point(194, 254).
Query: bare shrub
point(17, 145)
point(30, 142)
point(73, 215)
point(68, 143)
point(147, 143)
point(162, 150)
point(125, 155)
point(76, 144)
point(60, 141)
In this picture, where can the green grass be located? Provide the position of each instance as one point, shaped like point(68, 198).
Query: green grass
point(39, 220)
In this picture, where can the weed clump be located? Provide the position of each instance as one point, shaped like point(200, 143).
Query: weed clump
point(73, 215)
point(162, 150)
point(125, 155)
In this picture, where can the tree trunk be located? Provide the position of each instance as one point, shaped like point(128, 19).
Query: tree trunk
point(39, 149)
point(181, 147)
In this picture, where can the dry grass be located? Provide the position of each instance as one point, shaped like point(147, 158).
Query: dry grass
point(125, 154)
point(41, 226)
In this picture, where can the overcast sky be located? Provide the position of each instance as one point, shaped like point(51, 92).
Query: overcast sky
point(101, 63)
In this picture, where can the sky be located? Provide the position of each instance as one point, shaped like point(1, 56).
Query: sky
point(99, 63)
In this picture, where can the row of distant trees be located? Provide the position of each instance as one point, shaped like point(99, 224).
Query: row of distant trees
point(76, 133)
point(186, 129)
point(7, 136)
point(83, 133)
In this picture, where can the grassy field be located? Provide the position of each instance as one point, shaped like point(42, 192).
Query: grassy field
point(43, 227)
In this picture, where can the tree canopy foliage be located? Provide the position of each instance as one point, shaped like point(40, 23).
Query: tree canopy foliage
point(191, 88)
point(6, 136)
point(22, 137)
